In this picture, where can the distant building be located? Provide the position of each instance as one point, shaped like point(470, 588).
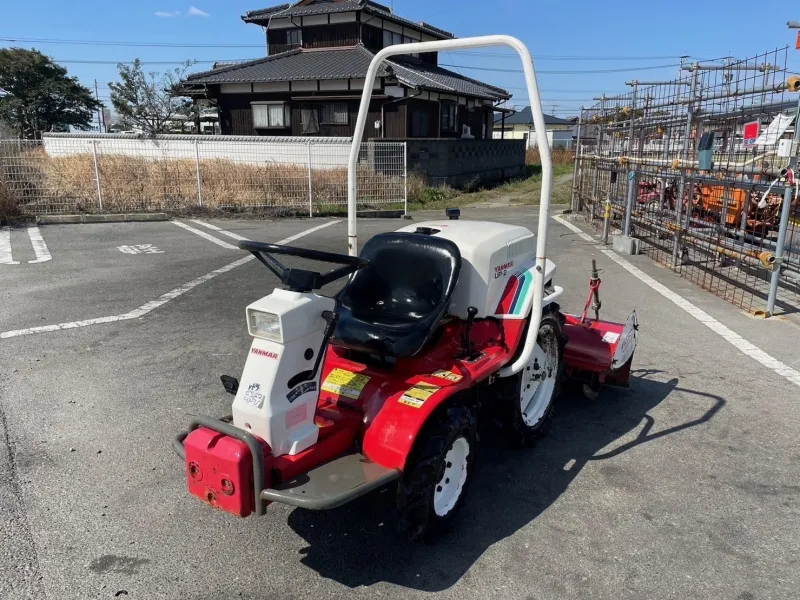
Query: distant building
point(310, 82)
point(519, 125)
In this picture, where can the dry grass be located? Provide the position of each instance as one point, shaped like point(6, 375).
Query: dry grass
point(8, 207)
point(560, 156)
point(130, 184)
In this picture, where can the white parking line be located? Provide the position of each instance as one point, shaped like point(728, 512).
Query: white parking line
point(206, 236)
point(158, 302)
point(723, 331)
point(230, 234)
point(5, 247)
point(39, 246)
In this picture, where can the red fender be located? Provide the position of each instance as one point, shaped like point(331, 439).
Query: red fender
point(398, 402)
point(389, 439)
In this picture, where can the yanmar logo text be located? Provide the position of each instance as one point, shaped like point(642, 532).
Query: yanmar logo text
point(501, 270)
point(265, 353)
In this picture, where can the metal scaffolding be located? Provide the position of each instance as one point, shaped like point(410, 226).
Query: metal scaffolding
point(721, 209)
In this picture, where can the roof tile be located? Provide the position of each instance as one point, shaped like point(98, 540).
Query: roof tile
point(345, 63)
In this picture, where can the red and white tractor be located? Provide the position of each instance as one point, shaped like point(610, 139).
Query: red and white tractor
point(438, 323)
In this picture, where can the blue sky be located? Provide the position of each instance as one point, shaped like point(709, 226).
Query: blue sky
point(599, 32)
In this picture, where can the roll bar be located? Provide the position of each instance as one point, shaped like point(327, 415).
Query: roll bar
point(541, 139)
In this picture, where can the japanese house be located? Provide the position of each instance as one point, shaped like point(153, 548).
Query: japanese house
point(311, 80)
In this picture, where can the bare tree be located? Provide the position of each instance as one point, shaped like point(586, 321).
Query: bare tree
point(149, 101)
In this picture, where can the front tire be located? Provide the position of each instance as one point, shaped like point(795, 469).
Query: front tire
point(529, 395)
point(433, 487)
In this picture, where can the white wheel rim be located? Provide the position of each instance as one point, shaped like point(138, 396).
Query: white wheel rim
point(538, 382)
point(449, 488)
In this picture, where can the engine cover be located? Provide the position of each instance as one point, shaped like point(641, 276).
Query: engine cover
point(496, 259)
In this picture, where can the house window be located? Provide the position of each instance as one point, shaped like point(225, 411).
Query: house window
point(390, 38)
point(449, 117)
point(294, 37)
point(309, 119)
point(271, 115)
point(420, 123)
point(334, 113)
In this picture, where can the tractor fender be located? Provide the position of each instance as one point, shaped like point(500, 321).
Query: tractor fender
point(391, 436)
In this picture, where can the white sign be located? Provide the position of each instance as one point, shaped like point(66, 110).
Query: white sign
point(140, 249)
point(776, 129)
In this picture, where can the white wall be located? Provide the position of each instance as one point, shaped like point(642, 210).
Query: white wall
point(326, 152)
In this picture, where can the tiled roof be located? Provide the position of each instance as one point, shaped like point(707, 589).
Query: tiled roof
point(263, 13)
point(294, 65)
point(316, 8)
point(346, 63)
point(418, 74)
point(525, 117)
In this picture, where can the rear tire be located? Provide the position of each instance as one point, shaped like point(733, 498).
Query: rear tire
point(529, 396)
point(434, 485)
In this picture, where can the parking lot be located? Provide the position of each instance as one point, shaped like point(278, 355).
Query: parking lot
point(685, 485)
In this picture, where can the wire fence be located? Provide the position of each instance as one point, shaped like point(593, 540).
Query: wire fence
point(701, 169)
point(111, 173)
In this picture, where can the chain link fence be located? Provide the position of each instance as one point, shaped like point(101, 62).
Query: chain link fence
point(701, 169)
point(110, 173)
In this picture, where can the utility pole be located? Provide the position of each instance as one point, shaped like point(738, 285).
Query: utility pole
point(99, 109)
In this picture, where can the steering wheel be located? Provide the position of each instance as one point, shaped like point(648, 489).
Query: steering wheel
point(303, 280)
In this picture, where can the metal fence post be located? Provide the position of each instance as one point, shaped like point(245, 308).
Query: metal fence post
point(575, 178)
point(687, 133)
point(632, 175)
point(607, 219)
point(310, 194)
point(197, 169)
point(786, 210)
point(665, 140)
point(405, 179)
point(97, 175)
point(598, 151)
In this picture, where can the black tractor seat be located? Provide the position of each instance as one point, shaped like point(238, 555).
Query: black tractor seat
point(393, 306)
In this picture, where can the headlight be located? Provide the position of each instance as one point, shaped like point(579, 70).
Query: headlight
point(264, 325)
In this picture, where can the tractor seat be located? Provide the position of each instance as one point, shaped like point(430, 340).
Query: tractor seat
point(392, 306)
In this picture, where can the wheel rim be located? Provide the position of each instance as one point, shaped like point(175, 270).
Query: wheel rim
point(538, 381)
point(450, 487)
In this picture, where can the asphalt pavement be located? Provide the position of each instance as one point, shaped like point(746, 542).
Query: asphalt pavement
point(685, 485)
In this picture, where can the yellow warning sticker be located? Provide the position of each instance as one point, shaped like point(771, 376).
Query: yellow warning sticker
point(448, 375)
point(416, 395)
point(345, 383)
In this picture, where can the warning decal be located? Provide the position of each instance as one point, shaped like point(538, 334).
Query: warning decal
point(345, 383)
point(416, 395)
point(448, 375)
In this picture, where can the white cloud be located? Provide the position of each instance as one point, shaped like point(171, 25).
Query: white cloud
point(167, 13)
point(196, 12)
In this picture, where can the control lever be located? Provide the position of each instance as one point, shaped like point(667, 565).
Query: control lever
point(472, 312)
point(331, 318)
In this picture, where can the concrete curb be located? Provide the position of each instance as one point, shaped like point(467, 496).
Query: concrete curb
point(92, 218)
point(379, 214)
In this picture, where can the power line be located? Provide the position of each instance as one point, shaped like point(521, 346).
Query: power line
point(147, 62)
point(565, 57)
point(207, 45)
point(174, 62)
point(580, 72)
point(131, 44)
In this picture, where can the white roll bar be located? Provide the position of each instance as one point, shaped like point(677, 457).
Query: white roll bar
point(541, 139)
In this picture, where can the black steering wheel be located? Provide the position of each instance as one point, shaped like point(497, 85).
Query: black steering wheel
point(303, 280)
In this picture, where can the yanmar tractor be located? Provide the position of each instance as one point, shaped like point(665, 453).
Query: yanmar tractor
point(438, 323)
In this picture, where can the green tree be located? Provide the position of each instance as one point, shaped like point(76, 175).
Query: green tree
point(150, 101)
point(37, 94)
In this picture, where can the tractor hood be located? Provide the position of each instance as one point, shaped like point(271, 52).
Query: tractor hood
point(497, 265)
